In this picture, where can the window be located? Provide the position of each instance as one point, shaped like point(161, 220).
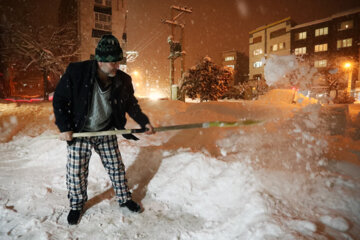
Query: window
point(277, 47)
point(344, 43)
point(278, 33)
point(104, 2)
point(321, 47)
point(320, 63)
point(281, 45)
point(300, 36)
point(346, 25)
point(300, 51)
point(229, 58)
point(258, 51)
point(274, 47)
point(321, 31)
point(231, 66)
point(257, 76)
point(257, 64)
point(102, 21)
point(257, 39)
point(96, 33)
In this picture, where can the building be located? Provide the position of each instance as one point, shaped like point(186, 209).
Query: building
point(329, 43)
point(273, 38)
point(96, 18)
point(239, 62)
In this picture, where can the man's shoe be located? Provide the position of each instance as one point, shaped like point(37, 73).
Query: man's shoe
point(131, 205)
point(74, 217)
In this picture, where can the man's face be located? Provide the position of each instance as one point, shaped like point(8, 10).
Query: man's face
point(109, 68)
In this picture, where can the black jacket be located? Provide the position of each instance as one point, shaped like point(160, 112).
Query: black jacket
point(72, 98)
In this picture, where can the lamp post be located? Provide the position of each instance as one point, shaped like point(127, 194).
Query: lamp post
point(348, 67)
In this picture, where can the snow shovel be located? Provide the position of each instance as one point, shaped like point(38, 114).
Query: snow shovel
point(162, 129)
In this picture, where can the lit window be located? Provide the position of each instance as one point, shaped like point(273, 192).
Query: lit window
point(346, 25)
point(321, 47)
point(258, 51)
point(281, 45)
point(301, 35)
point(344, 43)
point(231, 66)
point(277, 46)
point(274, 47)
point(300, 51)
point(320, 63)
point(321, 31)
point(257, 64)
point(229, 58)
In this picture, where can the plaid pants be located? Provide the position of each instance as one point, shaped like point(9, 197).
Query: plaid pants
point(79, 153)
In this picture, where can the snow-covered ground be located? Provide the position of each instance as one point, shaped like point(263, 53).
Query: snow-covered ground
point(295, 176)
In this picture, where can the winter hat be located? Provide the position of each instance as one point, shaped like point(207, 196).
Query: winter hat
point(108, 49)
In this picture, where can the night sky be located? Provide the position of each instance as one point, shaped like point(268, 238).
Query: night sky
point(213, 27)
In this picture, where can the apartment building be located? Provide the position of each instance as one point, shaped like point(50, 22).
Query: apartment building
point(273, 38)
point(239, 62)
point(331, 42)
point(326, 44)
point(96, 18)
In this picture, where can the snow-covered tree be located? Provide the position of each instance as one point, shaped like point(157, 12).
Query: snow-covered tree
point(47, 48)
point(206, 80)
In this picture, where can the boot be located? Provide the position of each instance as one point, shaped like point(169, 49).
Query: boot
point(131, 205)
point(74, 217)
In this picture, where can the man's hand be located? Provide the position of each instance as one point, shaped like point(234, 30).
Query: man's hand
point(151, 129)
point(66, 136)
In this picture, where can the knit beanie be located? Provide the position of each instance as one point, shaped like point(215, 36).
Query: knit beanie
point(108, 49)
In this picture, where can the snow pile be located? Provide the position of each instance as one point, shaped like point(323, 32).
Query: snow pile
point(288, 71)
point(210, 195)
point(294, 143)
point(274, 180)
point(28, 119)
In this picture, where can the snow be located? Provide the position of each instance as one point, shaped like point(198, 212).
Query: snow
point(294, 176)
point(289, 71)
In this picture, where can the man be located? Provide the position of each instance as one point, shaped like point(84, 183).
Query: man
point(91, 96)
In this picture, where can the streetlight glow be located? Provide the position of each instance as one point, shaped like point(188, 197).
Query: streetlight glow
point(136, 73)
point(347, 65)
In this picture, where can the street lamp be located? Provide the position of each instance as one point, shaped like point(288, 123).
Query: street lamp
point(348, 67)
point(136, 73)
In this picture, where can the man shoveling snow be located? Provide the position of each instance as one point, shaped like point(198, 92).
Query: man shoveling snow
point(94, 96)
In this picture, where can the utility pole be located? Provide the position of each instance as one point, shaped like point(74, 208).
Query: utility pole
point(176, 48)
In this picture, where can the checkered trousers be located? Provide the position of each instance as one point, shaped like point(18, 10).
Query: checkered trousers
point(79, 153)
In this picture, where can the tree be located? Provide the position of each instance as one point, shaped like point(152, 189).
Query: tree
point(205, 80)
point(336, 81)
point(47, 49)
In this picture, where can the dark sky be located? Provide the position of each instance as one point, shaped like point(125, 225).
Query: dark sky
point(213, 27)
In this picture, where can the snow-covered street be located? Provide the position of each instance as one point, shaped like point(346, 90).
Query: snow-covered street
point(294, 176)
